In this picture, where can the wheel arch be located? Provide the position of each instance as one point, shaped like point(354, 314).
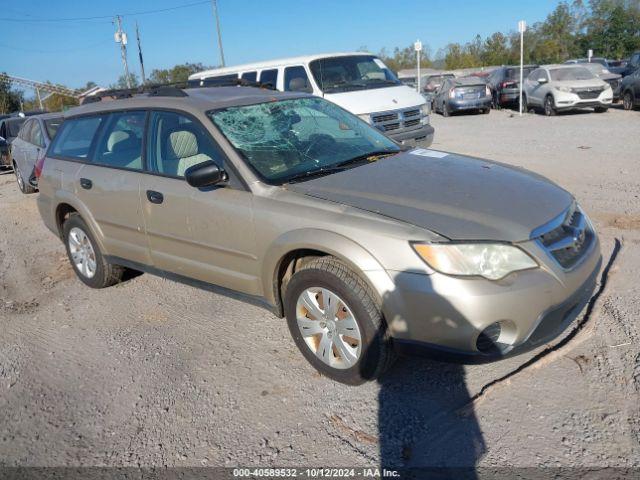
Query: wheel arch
point(66, 205)
point(282, 258)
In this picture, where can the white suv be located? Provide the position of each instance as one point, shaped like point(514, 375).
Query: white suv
point(565, 87)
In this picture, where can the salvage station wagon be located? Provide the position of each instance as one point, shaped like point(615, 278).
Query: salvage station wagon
point(365, 246)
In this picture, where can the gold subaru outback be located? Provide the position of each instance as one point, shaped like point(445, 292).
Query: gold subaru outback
point(367, 248)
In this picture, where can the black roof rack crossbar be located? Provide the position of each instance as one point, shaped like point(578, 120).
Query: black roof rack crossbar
point(176, 89)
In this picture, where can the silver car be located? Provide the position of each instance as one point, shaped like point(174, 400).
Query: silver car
point(285, 199)
point(30, 145)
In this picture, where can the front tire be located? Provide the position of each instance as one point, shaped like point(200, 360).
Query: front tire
point(627, 101)
point(336, 322)
point(85, 255)
point(600, 109)
point(549, 106)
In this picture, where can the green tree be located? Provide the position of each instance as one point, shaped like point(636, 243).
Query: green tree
point(177, 74)
point(10, 99)
point(405, 58)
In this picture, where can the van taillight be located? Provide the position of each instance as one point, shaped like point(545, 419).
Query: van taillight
point(39, 166)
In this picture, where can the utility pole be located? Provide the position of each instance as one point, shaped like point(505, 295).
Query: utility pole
point(214, 3)
point(121, 38)
point(144, 80)
point(417, 46)
point(522, 26)
point(39, 99)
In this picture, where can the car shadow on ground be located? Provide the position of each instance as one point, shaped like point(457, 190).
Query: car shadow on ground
point(420, 427)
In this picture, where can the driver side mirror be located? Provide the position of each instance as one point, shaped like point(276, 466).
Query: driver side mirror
point(205, 174)
point(542, 80)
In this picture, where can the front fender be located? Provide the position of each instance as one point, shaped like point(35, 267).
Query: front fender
point(351, 253)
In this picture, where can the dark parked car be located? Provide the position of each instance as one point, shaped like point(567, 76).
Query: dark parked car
point(9, 128)
point(630, 67)
point(462, 94)
point(630, 90)
point(30, 146)
point(504, 83)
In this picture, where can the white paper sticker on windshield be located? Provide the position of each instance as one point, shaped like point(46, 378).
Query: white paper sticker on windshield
point(423, 152)
point(379, 62)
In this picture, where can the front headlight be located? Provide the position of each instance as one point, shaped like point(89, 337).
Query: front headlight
point(425, 109)
point(366, 117)
point(489, 260)
point(564, 89)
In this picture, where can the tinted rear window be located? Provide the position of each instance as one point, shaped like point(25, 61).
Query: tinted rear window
point(514, 73)
point(250, 76)
point(269, 76)
point(76, 136)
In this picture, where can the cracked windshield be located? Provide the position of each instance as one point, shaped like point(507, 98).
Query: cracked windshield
point(296, 138)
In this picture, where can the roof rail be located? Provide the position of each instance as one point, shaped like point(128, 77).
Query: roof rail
point(176, 89)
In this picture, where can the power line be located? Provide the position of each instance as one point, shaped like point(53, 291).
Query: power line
point(101, 17)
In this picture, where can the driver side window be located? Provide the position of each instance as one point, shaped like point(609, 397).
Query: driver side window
point(177, 142)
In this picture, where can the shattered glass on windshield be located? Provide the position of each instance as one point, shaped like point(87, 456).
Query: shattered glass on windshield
point(286, 138)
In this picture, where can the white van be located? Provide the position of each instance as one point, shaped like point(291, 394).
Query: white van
point(358, 82)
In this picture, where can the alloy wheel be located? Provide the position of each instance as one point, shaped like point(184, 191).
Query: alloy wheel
point(328, 327)
point(627, 102)
point(82, 253)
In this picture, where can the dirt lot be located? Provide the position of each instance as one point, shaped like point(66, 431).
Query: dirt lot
point(156, 373)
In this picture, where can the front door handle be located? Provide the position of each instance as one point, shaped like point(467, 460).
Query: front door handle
point(86, 183)
point(155, 197)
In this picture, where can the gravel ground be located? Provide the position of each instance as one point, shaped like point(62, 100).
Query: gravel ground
point(155, 373)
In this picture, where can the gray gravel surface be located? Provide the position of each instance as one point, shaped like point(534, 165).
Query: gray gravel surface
point(155, 373)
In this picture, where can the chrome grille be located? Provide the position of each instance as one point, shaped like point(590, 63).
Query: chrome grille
point(397, 121)
point(587, 93)
point(568, 242)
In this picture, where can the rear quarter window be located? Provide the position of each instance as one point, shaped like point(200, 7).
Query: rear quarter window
point(75, 137)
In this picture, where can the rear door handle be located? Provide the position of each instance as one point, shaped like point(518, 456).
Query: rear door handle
point(155, 197)
point(86, 183)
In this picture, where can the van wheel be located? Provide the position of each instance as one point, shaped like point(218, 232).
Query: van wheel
point(549, 106)
point(336, 322)
point(25, 187)
point(85, 256)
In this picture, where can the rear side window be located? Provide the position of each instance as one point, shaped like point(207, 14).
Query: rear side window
point(52, 126)
point(270, 77)
point(75, 138)
point(176, 142)
point(250, 76)
point(296, 80)
point(35, 135)
point(120, 143)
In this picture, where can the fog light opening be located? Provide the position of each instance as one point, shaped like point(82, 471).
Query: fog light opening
point(496, 338)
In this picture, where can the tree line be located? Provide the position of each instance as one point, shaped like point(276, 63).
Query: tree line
point(611, 28)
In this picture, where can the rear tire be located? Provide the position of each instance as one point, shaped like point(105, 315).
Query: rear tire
point(354, 358)
point(525, 105)
point(549, 106)
point(486, 111)
point(95, 271)
point(24, 186)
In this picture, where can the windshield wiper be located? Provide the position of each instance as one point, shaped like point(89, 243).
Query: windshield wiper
point(339, 167)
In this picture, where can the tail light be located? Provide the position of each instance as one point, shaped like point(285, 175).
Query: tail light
point(509, 84)
point(39, 165)
point(452, 93)
point(487, 91)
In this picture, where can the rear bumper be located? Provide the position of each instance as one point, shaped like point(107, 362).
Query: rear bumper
point(476, 104)
point(422, 136)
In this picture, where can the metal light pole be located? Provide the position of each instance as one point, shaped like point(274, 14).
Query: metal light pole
point(214, 3)
point(522, 26)
point(418, 48)
point(121, 38)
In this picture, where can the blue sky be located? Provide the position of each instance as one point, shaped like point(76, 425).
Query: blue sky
point(74, 52)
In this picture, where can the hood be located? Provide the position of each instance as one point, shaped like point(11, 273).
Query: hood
point(458, 197)
point(377, 99)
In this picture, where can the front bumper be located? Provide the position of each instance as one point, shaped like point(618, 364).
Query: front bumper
point(443, 315)
point(457, 105)
point(569, 101)
point(422, 137)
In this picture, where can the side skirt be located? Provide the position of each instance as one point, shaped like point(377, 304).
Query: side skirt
point(209, 287)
